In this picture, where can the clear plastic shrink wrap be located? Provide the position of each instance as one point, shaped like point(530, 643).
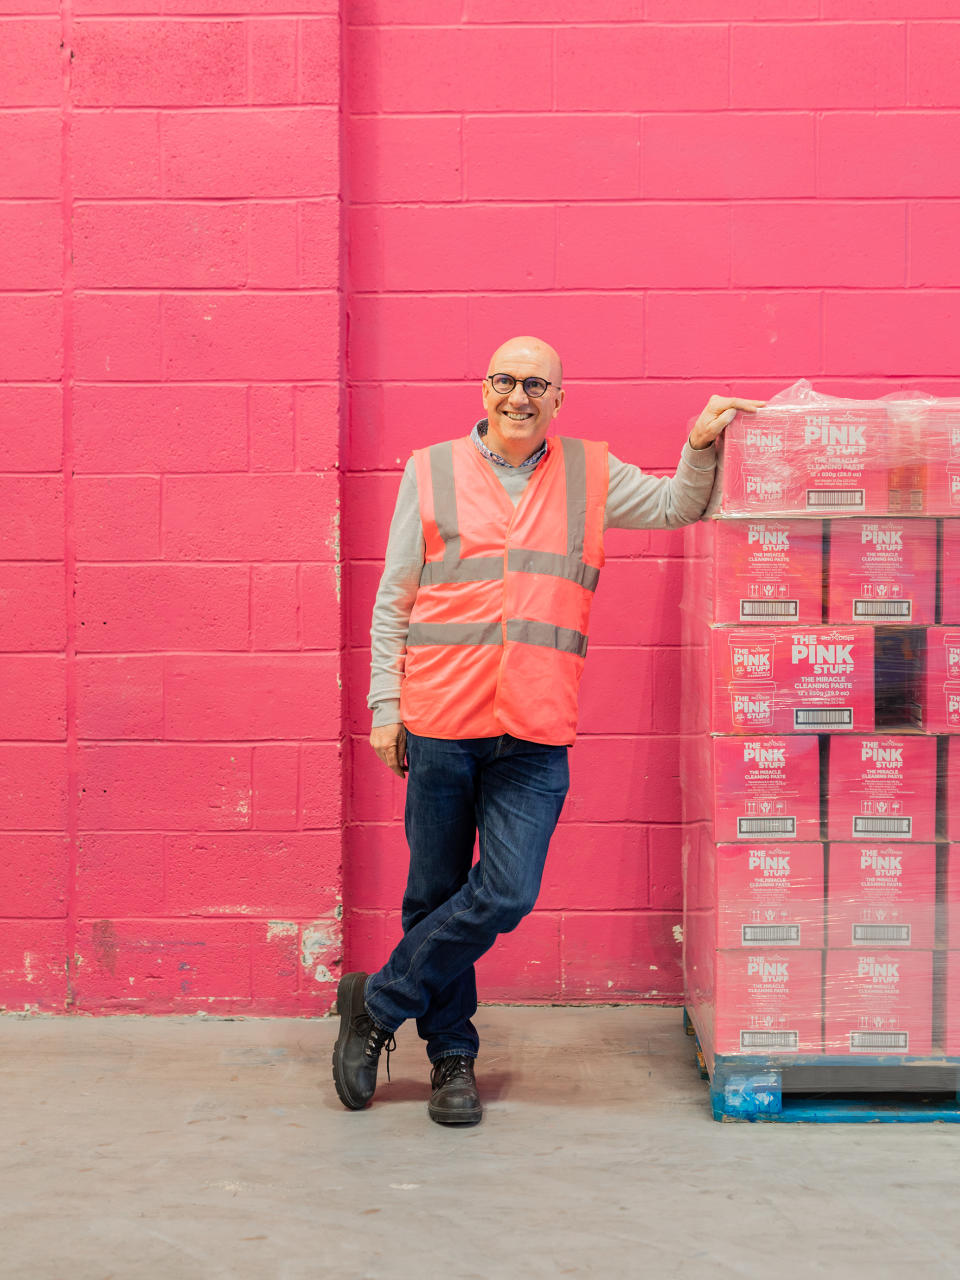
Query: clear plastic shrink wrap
point(819, 767)
point(809, 454)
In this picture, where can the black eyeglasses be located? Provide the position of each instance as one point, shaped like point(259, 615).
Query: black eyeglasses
point(503, 384)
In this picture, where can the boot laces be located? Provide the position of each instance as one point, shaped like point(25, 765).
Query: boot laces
point(447, 1068)
point(376, 1039)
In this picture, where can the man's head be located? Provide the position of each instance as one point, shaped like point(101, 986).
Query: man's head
point(517, 421)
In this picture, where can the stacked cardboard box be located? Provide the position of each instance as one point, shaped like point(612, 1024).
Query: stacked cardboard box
point(821, 788)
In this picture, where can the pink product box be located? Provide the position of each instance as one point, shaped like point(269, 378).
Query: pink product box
point(878, 1001)
point(699, 963)
point(951, 1012)
point(942, 464)
point(951, 897)
point(766, 789)
point(882, 571)
point(882, 895)
point(935, 700)
point(842, 451)
point(757, 472)
point(768, 571)
point(908, 455)
point(950, 574)
point(882, 788)
point(783, 680)
point(770, 895)
point(953, 789)
point(768, 1002)
point(811, 460)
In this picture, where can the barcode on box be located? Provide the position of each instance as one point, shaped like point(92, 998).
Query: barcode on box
point(895, 827)
point(779, 826)
point(752, 934)
point(879, 1041)
point(850, 499)
point(769, 1039)
point(891, 933)
point(752, 609)
point(822, 717)
point(866, 609)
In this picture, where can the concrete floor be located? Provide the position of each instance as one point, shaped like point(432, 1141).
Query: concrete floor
point(184, 1148)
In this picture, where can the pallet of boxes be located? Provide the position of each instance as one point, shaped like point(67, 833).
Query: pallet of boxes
point(820, 763)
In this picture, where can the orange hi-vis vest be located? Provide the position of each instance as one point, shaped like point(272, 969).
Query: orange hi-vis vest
point(498, 632)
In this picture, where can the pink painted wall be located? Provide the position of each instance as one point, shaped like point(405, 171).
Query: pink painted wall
point(170, 356)
point(684, 196)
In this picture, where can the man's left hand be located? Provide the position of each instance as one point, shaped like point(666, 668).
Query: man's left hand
point(720, 411)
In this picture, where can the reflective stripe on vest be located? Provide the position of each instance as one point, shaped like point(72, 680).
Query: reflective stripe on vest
point(520, 629)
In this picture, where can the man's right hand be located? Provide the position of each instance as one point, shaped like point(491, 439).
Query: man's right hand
point(389, 741)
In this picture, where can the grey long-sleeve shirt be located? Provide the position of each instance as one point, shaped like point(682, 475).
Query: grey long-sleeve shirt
point(635, 500)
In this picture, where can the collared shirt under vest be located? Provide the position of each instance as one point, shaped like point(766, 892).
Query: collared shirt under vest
point(498, 631)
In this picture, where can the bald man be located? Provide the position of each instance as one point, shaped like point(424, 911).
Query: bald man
point(478, 639)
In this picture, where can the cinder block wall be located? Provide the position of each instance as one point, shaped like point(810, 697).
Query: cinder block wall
point(684, 195)
point(169, 524)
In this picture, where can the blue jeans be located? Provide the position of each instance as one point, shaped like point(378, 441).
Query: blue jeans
point(512, 793)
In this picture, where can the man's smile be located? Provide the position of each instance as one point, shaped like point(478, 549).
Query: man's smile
point(517, 417)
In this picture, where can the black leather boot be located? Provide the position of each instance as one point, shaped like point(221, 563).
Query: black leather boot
point(455, 1098)
point(356, 1055)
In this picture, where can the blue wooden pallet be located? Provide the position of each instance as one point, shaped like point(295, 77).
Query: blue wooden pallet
point(751, 1088)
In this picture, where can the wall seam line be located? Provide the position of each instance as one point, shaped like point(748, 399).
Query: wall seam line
point(69, 499)
point(343, 409)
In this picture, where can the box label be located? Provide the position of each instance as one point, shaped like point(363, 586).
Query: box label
point(766, 788)
point(770, 895)
point(768, 571)
point(882, 895)
point(793, 681)
point(878, 1002)
point(822, 458)
point(882, 571)
point(882, 788)
point(768, 1001)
